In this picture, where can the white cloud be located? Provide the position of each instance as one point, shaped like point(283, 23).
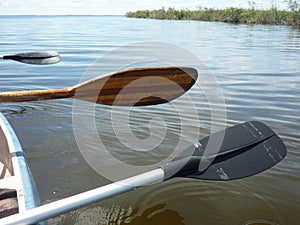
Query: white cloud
point(68, 6)
point(102, 7)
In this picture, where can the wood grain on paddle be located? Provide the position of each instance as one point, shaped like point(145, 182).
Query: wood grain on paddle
point(138, 87)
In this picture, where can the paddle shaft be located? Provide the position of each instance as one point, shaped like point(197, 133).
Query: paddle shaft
point(247, 149)
point(36, 95)
point(20, 58)
point(74, 202)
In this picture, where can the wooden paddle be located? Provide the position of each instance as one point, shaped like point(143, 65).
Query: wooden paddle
point(130, 87)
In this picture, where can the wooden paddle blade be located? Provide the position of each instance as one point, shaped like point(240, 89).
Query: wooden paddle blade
point(137, 87)
point(131, 87)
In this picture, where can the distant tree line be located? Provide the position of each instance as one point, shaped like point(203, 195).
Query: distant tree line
point(230, 15)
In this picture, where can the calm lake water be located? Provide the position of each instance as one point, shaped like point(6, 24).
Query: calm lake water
point(257, 69)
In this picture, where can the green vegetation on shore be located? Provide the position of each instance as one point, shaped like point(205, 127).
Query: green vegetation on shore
point(230, 15)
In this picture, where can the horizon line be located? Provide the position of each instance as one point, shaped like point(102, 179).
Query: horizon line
point(62, 14)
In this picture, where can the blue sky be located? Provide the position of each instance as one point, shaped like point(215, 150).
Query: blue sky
point(115, 7)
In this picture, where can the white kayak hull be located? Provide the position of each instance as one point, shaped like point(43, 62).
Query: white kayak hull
point(16, 181)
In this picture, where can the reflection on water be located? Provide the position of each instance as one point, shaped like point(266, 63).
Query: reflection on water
point(116, 215)
point(257, 68)
point(156, 215)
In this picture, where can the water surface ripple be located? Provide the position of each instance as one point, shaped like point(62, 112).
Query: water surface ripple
point(257, 68)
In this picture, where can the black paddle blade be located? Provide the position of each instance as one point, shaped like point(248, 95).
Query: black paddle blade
point(246, 149)
point(36, 58)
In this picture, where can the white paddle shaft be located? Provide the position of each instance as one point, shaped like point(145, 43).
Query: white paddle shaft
point(65, 205)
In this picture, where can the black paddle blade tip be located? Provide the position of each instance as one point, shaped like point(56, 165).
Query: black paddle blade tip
point(35, 58)
point(245, 162)
point(244, 150)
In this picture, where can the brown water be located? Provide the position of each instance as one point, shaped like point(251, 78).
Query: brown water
point(257, 70)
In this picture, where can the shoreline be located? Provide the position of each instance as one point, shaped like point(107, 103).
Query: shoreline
point(271, 16)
